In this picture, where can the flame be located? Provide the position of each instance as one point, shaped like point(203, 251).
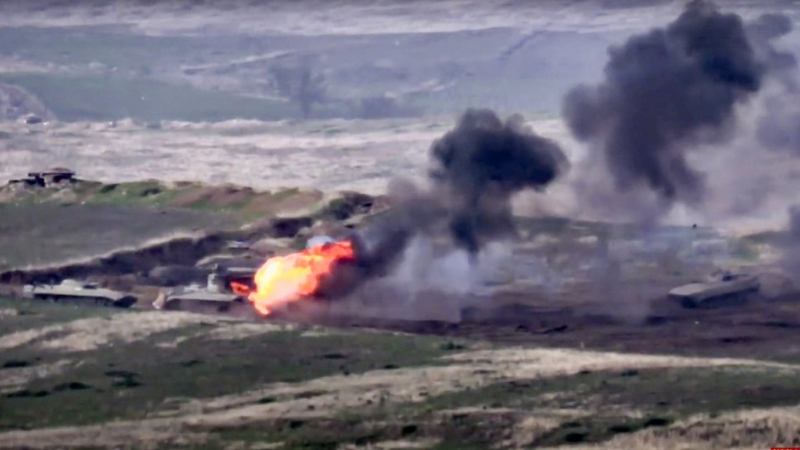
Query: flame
point(285, 279)
point(240, 288)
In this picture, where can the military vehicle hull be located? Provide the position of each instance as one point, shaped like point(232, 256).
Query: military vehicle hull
point(218, 296)
point(75, 292)
point(727, 290)
point(200, 301)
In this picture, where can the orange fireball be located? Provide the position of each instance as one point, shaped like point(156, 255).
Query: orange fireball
point(285, 279)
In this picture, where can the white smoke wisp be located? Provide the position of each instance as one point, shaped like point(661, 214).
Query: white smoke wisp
point(432, 283)
point(319, 240)
point(451, 272)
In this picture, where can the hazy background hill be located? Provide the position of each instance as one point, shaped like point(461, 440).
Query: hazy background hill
point(113, 72)
point(212, 61)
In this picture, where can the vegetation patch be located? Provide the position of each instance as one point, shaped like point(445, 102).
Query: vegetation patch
point(138, 193)
point(663, 392)
point(235, 203)
point(109, 384)
point(597, 430)
point(48, 234)
point(605, 405)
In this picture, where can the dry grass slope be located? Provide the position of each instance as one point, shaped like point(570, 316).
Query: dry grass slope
point(352, 388)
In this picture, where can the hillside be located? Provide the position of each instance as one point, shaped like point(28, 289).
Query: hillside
point(68, 381)
point(113, 72)
point(46, 226)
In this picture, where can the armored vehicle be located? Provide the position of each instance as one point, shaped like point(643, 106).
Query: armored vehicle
point(723, 289)
point(214, 297)
point(49, 177)
point(74, 291)
point(236, 269)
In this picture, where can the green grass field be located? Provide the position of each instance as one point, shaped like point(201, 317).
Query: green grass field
point(129, 381)
point(52, 233)
point(223, 383)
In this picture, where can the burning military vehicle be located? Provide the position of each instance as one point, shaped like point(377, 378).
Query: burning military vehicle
point(285, 279)
point(226, 287)
point(197, 298)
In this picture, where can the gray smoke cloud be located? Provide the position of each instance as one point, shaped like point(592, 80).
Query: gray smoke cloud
point(664, 93)
point(790, 246)
point(763, 32)
point(778, 127)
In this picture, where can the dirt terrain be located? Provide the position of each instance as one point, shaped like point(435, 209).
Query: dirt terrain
point(40, 235)
point(538, 358)
point(764, 327)
point(197, 157)
point(217, 382)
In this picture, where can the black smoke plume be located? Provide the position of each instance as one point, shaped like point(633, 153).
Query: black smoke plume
point(663, 92)
point(481, 164)
point(478, 167)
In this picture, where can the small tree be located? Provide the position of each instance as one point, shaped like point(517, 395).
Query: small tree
point(299, 85)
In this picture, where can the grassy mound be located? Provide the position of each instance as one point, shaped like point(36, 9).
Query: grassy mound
point(74, 221)
point(236, 201)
